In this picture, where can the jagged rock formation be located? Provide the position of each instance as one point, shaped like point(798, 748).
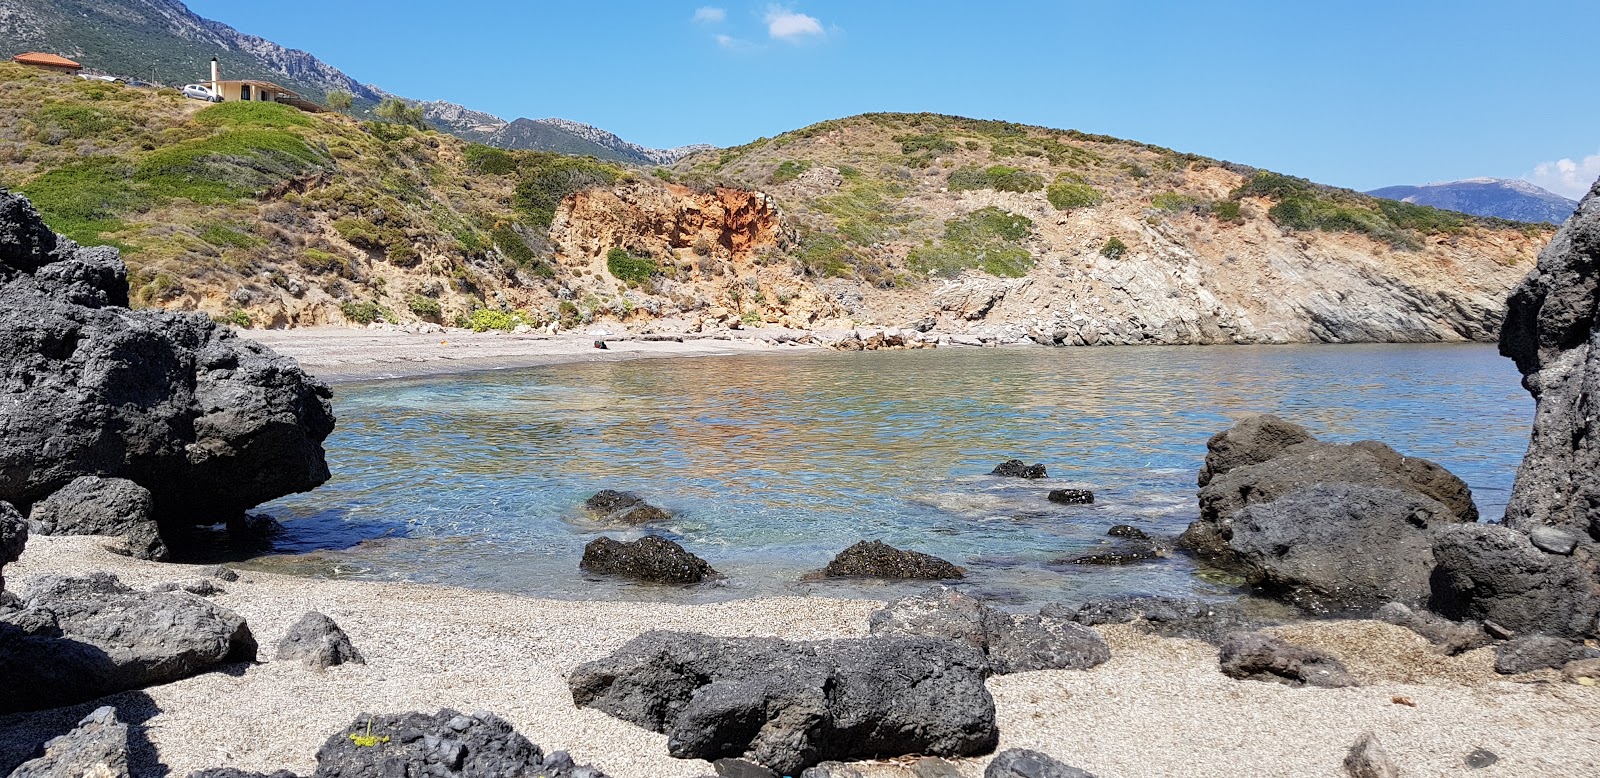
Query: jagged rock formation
point(208, 423)
point(96, 748)
point(73, 639)
point(790, 705)
point(1012, 642)
point(1540, 570)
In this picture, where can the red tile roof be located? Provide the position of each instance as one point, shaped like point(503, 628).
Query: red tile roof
point(40, 58)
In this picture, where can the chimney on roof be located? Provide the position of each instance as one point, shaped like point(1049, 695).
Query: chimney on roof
point(216, 77)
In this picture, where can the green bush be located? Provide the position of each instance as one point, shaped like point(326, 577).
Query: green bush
point(397, 111)
point(79, 121)
point(485, 319)
point(252, 114)
point(1227, 210)
point(84, 199)
point(1000, 178)
point(1172, 202)
point(400, 254)
point(340, 100)
point(320, 262)
point(228, 166)
point(988, 239)
point(629, 268)
point(490, 160)
point(931, 144)
point(225, 236)
point(426, 307)
point(359, 232)
point(235, 317)
point(548, 178)
point(790, 170)
point(1114, 248)
point(363, 312)
point(1066, 194)
point(825, 255)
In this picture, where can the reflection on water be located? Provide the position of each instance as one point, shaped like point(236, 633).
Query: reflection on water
point(772, 464)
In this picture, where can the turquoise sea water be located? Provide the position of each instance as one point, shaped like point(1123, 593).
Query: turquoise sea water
point(771, 465)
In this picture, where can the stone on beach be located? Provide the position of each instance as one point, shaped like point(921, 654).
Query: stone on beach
point(1165, 616)
point(74, 639)
point(1367, 759)
point(13, 538)
point(1258, 656)
point(318, 643)
point(876, 559)
point(1026, 763)
point(651, 558)
point(1013, 643)
point(96, 748)
point(91, 505)
point(789, 705)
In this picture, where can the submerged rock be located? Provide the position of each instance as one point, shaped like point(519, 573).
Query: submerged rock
point(650, 558)
point(876, 559)
point(623, 507)
point(790, 705)
point(318, 643)
point(91, 505)
point(209, 423)
point(1257, 656)
point(1016, 468)
point(1013, 643)
point(74, 639)
point(96, 748)
point(1071, 496)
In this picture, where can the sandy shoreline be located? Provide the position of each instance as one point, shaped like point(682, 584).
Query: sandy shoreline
point(346, 354)
point(1160, 707)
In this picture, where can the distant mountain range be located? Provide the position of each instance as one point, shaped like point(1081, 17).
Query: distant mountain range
point(163, 41)
point(1500, 197)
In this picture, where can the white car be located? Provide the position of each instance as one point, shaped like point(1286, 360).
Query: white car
point(200, 92)
point(107, 79)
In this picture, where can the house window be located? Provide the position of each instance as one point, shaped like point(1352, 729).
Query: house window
point(244, 91)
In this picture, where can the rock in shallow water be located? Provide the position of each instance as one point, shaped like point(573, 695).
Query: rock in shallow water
point(1013, 643)
point(651, 558)
point(623, 507)
point(1257, 656)
point(876, 559)
point(1016, 468)
point(209, 423)
point(91, 505)
point(74, 639)
point(96, 748)
point(790, 705)
point(1071, 496)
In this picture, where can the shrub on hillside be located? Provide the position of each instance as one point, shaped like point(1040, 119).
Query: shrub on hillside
point(988, 239)
point(548, 178)
point(1114, 248)
point(1066, 194)
point(426, 307)
point(490, 160)
point(628, 268)
point(242, 114)
point(228, 166)
point(362, 312)
point(790, 170)
point(84, 199)
point(1001, 178)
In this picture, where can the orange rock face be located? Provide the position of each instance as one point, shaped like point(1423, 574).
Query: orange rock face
point(657, 219)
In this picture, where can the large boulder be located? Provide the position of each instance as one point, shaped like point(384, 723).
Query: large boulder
point(1253, 440)
point(74, 639)
point(790, 705)
point(211, 424)
point(91, 505)
point(318, 643)
point(13, 537)
point(1012, 642)
point(1340, 546)
point(96, 748)
point(876, 559)
point(651, 558)
point(447, 744)
point(1491, 572)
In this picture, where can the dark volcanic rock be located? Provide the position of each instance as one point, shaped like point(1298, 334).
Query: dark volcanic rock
point(1451, 637)
point(1127, 531)
point(1367, 759)
point(1257, 656)
point(318, 643)
point(1535, 652)
point(447, 744)
point(91, 505)
point(229, 772)
point(96, 748)
point(1165, 616)
point(1016, 468)
point(1071, 496)
point(1339, 546)
point(1135, 550)
point(1024, 763)
point(623, 507)
point(789, 705)
point(876, 559)
point(209, 423)
point(1252, 441)
point(75, 639)
point(650, 558)
point(1490, 572)
point(13, 537)
point(1013, 643)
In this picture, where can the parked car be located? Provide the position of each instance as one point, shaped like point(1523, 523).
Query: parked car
point(201, 92)
point(107, 79)
point(142, 84)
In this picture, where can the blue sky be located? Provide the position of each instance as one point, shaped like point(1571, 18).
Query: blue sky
point(1357, 94)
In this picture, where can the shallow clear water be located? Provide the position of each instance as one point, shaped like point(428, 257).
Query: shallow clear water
point(773, 464)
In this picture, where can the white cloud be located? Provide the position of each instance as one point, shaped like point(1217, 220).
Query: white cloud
point(786, 25)
point(1566, 177)
point(735, 44)
point(710, 15)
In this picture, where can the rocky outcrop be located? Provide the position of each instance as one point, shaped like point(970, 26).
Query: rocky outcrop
point(1012, 642)
point(91, 505)
point(318, 643)
point(1258, 656)
point(209, 423)
point(73, 639)
point(623, 507)
point(651, 558)
point(96, 748)
point(876, 559)
point(654, 219)
point(790, 705)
